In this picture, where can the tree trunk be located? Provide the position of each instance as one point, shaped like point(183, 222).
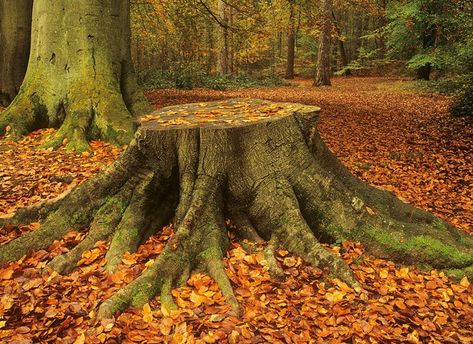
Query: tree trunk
point(211, 58)
point(291, 42)
point(341, 46)
point(223, 49)
point(231, 48)
point(15, 37)
point(322, 77)
point(80, 77)
point(423, 73)
point(262, 165)
point(429, 36)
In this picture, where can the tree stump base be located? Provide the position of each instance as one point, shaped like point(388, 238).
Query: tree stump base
point(258, 163)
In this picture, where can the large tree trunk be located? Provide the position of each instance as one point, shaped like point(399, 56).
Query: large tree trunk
point(291, 42)
point(261, 164)
point(322, 77)
point(15, 35)
point(80, 77)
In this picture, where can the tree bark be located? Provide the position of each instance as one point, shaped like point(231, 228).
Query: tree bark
point(262, 165)
point(322, 77)
point(291, 42)
point(15, 37)
point(80, 77)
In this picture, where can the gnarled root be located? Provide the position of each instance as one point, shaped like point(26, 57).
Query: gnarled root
point(199, 240)
point(274, 179)
point(36, 211)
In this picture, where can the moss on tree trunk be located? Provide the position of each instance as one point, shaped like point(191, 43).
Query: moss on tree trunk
point(80, 78)
point(260, 164)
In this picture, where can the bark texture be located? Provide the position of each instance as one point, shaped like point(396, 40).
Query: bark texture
point(15, 37)
point(80, 77)
point(322, 76)
point(262, 165)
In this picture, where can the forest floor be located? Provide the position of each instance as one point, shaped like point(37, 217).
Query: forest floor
point(387, 135)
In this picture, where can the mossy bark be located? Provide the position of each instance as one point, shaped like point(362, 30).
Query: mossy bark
point(80, 78)
point(15, 34)
point(262, 165)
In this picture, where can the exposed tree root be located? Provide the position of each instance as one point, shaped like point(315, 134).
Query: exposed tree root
point(274, 179)
point(36, 211)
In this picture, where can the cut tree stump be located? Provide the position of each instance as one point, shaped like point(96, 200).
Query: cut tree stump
point(260, 164)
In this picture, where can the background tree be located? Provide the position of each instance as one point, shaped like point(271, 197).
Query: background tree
point(431, 34)
point(322, 77)
point(223, 64)
point(80, 77)
point(15, 34)
point(291, 41)
point(341, 47)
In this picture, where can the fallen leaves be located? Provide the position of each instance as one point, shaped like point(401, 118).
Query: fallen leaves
point(29, 175)
point(220, 113)
point(398, 304)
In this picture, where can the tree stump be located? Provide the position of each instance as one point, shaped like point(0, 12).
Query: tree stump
point(260, 164)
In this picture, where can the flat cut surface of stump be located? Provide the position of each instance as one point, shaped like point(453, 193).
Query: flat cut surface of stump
point(224, 114)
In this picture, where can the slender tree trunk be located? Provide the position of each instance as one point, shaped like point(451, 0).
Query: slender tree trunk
point(382, 21)
point(280, 52)
point(423, 73)
point(231, 50)
point(428, 42)
point(223, 49)
point(341, 45)
point(15, 38)
point(322, 77)
point(80, 77)
point(211, 45)
point(291, 42)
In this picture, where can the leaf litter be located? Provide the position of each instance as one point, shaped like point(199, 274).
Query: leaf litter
point(402, 143)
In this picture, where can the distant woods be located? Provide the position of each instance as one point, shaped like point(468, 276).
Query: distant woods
point(182, 43)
